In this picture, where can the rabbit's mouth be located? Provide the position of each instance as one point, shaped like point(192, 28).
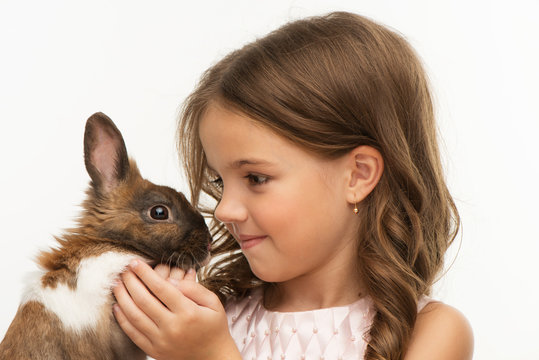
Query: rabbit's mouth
point(184, 260)
point(190, 250)
point(179, 260)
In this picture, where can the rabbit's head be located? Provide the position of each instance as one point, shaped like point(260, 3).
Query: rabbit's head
point(130, 212)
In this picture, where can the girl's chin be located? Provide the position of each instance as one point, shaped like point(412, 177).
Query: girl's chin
point(266, 272)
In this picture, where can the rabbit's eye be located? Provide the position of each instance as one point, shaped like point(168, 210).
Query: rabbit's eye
point(159, 212)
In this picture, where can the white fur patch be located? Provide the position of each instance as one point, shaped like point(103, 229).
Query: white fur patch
point(83, 307)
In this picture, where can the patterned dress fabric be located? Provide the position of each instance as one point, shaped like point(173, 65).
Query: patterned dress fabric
point(337, 333)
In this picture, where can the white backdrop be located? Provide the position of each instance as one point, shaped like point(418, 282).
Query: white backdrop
point(61, 61)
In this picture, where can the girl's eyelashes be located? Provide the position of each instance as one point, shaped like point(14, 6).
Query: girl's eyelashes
point(255, 179)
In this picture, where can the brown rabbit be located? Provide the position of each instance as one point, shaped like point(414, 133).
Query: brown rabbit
point(66, 311)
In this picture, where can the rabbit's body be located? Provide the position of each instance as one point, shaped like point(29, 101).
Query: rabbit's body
point(66, 310)
point(70, 317)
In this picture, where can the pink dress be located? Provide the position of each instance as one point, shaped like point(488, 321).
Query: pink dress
point(336, 333)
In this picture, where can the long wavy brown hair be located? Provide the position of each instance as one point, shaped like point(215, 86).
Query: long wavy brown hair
point(329, 84)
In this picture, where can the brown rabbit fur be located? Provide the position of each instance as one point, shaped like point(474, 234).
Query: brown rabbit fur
point(66, 312)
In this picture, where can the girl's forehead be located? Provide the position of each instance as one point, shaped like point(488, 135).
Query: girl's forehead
point(217, 115)
point(221, 126)
point(229, 135)
point(232, 138)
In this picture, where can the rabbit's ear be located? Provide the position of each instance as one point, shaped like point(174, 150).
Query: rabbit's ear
point(105, 155)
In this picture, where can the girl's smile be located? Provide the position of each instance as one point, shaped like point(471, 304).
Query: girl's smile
point(249, 241)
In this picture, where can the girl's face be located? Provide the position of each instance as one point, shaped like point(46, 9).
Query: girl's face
point(286, 207)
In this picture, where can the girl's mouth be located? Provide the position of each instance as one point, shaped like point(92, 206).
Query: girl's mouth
point(248, 241)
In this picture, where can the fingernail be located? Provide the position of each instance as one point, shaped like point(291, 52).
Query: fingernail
point(115, 308)
point(134, 263)
point(191, 271)
point(173, 281)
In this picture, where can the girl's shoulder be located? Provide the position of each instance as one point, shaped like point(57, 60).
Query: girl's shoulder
point(441, 332)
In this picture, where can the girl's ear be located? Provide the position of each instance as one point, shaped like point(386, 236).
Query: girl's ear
point(105, 155)
point(365, 167)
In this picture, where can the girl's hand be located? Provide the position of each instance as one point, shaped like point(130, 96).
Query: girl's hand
point(170, 316)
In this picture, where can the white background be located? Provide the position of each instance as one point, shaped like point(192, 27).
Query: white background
point(61, 61)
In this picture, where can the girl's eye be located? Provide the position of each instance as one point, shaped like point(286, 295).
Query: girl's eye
point(252, 178)
point(159, 212)
point(257, 179)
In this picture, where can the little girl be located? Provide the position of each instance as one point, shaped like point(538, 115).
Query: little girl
point(318, 143)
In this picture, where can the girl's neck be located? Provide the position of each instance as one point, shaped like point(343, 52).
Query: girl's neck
point(314, 291)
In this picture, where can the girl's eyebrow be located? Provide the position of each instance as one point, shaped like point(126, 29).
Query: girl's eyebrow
point(239, 163)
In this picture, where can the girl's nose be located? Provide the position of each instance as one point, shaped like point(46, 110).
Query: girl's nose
point(230, 209)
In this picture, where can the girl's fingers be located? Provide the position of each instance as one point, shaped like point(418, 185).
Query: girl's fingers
point(200, 295)
point(191, 274)
point(177, 273)
point(162, 289)
point(136, 336)
point(143, 299)
point(163, 271)
point(131, 315)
